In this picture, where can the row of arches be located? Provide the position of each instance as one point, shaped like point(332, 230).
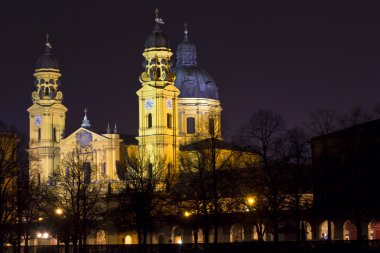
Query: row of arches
point(239, 233)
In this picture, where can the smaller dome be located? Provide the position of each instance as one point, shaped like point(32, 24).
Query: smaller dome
point(186, 53)
point(47, 60)
point(157, 39)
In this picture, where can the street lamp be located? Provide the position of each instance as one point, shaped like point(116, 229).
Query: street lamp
point(59, 211)
point(187, 214)
point(251, 200)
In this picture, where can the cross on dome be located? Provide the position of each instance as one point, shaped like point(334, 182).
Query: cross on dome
point(85, 121)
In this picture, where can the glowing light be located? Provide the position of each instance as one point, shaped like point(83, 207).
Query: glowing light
point(39, 235)
point(187, 214)
point(40, 219)
point(179, 241)
point(59, 211)
point(251, 201)
point(45, 235)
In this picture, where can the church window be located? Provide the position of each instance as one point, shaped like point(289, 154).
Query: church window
point(104, 168)
point(149, 120)
point(87, 172)
point(39, 135)
point(54, 134)
point(150, 168)
point(38, 179)
point(190, 124)
point(169, 120)
point(67, 173)
point(169, 169)
point(211, 125)
point(46, 91)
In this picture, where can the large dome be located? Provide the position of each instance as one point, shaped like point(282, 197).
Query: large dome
point(47, 60)
point(192, 80)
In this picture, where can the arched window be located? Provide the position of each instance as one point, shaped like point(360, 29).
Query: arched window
point(169, 169)
point(87, 172)
point(149, 120)
point(169, 120)
point(39, 135)
point(54, 134)
point(150, 171)
point(211, 126)
point(104, 169)
point(190, 125)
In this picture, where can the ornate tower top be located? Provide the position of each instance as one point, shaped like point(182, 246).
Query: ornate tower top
point(85, 121)
point(47, 78)
point(157, 55)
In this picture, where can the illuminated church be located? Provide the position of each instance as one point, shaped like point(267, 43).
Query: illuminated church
point(175, 106)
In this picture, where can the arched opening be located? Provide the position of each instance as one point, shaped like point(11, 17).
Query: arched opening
point(349, 231)
point(101, 237)
point(323, 230)
point(177, 235)
point(199, 236)
point(259, 234)
point(161, 239)
point(236, 233)
point(39, 135)
point(128, 239)
point(374, 230)
point(212, 234)
point(306, 233)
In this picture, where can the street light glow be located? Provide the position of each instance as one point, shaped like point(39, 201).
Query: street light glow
point(187, 214)
point(251, 201)
point(58, 211)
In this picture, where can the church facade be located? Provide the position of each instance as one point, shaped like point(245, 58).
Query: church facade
point(175, 105)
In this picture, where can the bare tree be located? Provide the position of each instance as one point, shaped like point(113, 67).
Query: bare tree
point(355, 116)
point(145, 197)
point(79, 191)
point(205, 163)
point(263, 136)
point(323, 121)
point(13, 159)
point(299, 184)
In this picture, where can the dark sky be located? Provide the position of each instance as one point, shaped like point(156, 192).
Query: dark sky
point(284, 56)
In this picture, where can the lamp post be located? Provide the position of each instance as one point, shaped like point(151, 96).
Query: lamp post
point(58, 212)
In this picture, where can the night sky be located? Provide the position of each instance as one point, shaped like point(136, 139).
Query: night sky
point(280, 55)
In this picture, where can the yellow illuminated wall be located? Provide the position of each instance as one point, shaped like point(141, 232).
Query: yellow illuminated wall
point(46, 121)
point(158, 106)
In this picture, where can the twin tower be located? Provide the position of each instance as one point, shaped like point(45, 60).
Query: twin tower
point(177, 106)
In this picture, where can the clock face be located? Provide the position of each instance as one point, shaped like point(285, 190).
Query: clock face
point(148, 104)
point(169, 103)
point(38, 120)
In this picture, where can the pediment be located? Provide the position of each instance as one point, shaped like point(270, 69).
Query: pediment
point(82, 135)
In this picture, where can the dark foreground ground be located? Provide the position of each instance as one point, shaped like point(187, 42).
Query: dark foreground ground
point(244, 247)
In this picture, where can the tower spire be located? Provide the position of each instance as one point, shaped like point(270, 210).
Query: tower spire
point(186, 31)
point(85, 121)
point(47, 43)
point(158, 20)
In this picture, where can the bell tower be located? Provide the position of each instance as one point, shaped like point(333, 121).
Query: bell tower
point(46, 116)
point(158, 100)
